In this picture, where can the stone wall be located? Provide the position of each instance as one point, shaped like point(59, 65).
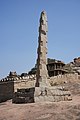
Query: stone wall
point(24, 95)
point(41, 94)
point(6, 90)
point(23, 83)
point(10, 85)
point(64, 79)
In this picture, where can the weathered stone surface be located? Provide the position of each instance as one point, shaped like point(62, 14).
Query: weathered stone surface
point(42, 92)
point(6, 90)
point(24, 96)
point(52, 94)
point(42, 72)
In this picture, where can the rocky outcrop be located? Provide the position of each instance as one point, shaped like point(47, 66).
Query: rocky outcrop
point(77, 61)
point(73, 67)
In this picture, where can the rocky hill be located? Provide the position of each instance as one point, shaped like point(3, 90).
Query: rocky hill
point(73, 67)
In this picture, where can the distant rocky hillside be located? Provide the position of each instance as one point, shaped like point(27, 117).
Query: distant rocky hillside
point(73, 67)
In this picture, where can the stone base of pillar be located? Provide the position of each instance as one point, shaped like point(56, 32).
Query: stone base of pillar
point(41, 94)
point(51, 94)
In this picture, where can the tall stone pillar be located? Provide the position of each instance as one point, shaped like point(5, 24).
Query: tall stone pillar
point(42, 72)
point(43, 91)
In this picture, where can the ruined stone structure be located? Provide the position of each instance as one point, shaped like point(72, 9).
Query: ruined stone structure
point(25, 88)
point(24, 95)
point(12, 74)
point(42, 72)
point(55, 67)
point(6, 90)
point(44, 92)
point(63, 79)
point(10, 84)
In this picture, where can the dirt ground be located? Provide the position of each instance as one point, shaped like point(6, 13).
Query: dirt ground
point(64, 110)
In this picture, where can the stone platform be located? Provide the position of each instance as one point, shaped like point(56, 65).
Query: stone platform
point(51, 94)
point(42, 94)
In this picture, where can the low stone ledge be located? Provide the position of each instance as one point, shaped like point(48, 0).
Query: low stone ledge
point(41, 94)
point(52, 94)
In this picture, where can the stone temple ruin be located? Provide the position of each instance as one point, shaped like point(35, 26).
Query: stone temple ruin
point(42, 91)
point(36, 87)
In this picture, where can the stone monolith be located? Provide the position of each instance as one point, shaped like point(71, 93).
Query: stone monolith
point(42, 73)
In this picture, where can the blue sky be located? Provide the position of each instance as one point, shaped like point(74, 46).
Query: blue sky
point(19, 22)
